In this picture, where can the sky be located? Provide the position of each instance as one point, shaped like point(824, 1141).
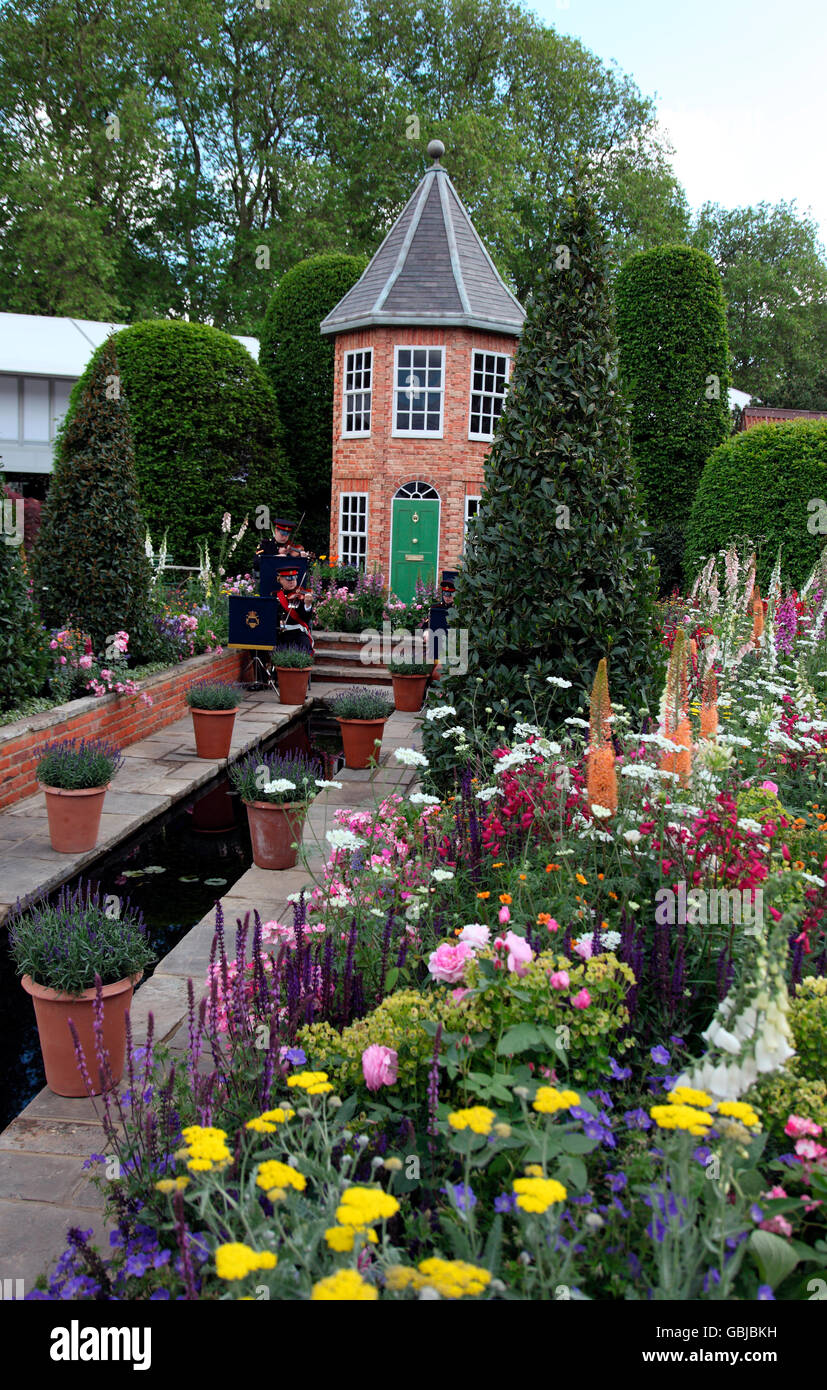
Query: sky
point(740, 87)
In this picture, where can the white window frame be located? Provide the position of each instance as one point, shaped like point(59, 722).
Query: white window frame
point(492, 395)
point(21, 440)
point(366, 352)
point(469, 497)
point(361, 561)
point(418, 434)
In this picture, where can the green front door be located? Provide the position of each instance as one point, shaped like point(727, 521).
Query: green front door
point(414, 544)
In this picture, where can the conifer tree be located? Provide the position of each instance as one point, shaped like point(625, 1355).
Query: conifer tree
point(91, 565)
point(23, 652)
point(557, 572)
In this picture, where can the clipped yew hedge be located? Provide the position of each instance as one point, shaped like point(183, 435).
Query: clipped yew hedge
point(758, 484)
point(674, 370)
point(298, 360)
point(206, 430)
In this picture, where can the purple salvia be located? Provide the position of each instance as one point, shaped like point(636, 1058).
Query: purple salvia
point(183, 1245)
point(433, 1088)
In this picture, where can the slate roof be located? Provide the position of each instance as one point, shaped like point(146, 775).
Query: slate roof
point(431, 269)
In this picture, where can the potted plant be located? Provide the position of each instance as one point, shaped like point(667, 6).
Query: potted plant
point(276, 788)
point(409, 681)
point(58, 950)
point(361, 714)
point(293, 665)
point(74, 774)
point(213, 706)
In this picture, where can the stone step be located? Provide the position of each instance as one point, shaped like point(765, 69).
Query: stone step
point(327, 673)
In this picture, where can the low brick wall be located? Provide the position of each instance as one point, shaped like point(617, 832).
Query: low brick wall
point(123, 718)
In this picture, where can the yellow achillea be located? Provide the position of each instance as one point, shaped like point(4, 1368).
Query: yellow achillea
point(681, 1117)
point(548, 1100)
point(686, 1095)
point(269, 1121)
point(602, 776)
point(235, 1261)
point(345, 1286)
point(538, 1194)
point(341, 1238)
point(454, 1278)
point(308, 1079)
point(360, 1206)
point(739, 1110)
point(274, 1174)
point(167, 1185)
point(398, 1278)
point(478, 1118)
point(206, 1148)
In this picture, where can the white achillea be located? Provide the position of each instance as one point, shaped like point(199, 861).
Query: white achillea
point(409, 757)
point(423, 799)
point(487, 793)
point(443, 712)
point(344, 839)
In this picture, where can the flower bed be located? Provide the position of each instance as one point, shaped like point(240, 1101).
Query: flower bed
point(122, 718)
point(505, 1049)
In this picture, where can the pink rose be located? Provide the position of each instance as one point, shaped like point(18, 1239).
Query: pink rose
point(584, 949)
point(53, 644)
point(379, 1066)
point(476, 935)
point(447, 962)
point(458, 994)
point(559, 979)
point(797, 1126)
point(519, 952)
point(85, 662)
point(769, 786)
point(63, 661)
point(504, 915)
point(774, 1192)
point(581, 1000)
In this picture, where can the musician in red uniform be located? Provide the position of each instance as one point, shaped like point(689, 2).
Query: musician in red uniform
point(280, 543)
point(297, 604)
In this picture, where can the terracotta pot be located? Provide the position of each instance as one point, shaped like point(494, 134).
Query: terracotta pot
point(74, 817)
point(213, 731)
point(274, 828)
point(435, 674)
point(293, 684)
point(53, 1009)
point(408, 692)
point(361, 739)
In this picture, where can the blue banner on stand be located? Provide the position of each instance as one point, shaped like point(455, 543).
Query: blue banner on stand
point(254, 622)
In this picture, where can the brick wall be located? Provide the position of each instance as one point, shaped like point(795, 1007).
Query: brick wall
point(380, 464)
point(122, 718)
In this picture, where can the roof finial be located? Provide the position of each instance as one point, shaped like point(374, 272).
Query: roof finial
point(436, 150)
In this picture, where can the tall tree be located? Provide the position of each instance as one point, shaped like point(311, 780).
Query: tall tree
point(90, 561)
point(557, 573)
point(774, 274)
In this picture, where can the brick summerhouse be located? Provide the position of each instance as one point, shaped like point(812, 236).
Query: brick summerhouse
point(424, 343)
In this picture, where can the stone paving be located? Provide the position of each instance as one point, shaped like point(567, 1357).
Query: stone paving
point(43, 1186)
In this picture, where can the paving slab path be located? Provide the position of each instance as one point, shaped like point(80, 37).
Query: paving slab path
point(44, 1188)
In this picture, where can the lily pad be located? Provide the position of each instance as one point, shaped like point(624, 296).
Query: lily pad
point(215, 882)
point(188, 878)
point(133, 873)
point(154, 869)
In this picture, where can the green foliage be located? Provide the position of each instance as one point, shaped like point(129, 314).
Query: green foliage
point(299, 363)
point(206, 431)
point(772, 257)
point(91, 567)
point(283, 126)
point(808, 1020)
point(557, 573)
point(759, 484)
point(24, 653)
point(293, 659)
point(397, 1023)
point(799, 1088)
point(674, 369)
point(758, 804)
